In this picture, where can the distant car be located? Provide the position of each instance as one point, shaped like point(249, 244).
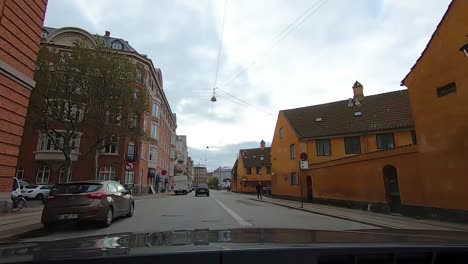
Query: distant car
point(202, 189)
point(37, 192)
point(97, 201)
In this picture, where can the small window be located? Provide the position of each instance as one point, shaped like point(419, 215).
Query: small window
point(107, 173)
point(131, 150)
point(143, 150)
point(42, 176)
point(357, 114)
point(292, 151)
point(294, 178)
point(248, 171)
point(268, 170)
point(352, 145)
point(139, 75)
point(154, 131)
point(281, 133)
point(447, 89)
point(117, 45)
point(129, 178)
point(111, 146)
point(385, 141)
point(318, 119)
point(155, 109)
point(323, 147)
point(63, 175)
point(258, 170)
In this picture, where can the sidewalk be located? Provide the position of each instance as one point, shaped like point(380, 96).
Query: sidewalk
point(371, 218)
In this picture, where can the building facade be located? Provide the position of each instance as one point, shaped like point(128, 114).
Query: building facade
point(224, 176)
point(181, 155)
point(253, 166)
point(200, 174)
point(325, 134)
point(20, 36)
point(146, 156)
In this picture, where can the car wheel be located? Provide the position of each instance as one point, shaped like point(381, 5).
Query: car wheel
point(109, 217)
point(132, 209)
point(40, 196)
point(207, 194)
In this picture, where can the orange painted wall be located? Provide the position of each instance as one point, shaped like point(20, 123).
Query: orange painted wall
point(282, 165)
point(253, 177)
point(442, 122)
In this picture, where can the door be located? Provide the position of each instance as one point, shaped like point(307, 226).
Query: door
point(118, 199)
point(127, 198)
point(310, 196)
point(392, 189)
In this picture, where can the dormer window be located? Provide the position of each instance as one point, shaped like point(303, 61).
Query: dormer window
point(117, 45)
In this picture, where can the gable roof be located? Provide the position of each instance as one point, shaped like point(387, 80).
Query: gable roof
point(378, 112)
point(252, 157)
point(430, 41)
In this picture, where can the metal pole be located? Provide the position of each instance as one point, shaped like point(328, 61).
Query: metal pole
point(300, 184)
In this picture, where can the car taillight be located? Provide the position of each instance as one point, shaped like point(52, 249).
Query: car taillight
point(96, 195)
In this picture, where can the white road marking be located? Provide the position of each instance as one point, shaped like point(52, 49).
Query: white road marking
point(239, 219)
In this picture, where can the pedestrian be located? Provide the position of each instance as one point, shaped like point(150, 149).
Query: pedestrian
point(259, 190)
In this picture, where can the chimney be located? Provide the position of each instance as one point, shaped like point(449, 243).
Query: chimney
point(262, 144)
point(358, 91)
point(107, 34)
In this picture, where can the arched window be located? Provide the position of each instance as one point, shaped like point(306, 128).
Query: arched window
point(131, 150)
point(20, 173)
point(106, 173)
point(42, 176)
point(62, 177)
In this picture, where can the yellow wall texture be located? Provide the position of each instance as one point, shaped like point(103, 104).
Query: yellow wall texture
point(442, 122)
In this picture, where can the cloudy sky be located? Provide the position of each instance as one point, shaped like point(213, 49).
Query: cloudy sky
point(270, 59)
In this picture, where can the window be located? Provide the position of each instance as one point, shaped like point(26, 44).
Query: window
point(447, 89)
point(385, 141)
point(111, 146)
point(62, 176)
point(268, 170)
point(281, 133)
point(145, 123)
point(248, 171)
point(129, 177)
point(153, 153)
point(106, 173)
point(258, 170)
point(136, 95)
point(143, 150)
point(74, 112)
point(132, 120)
point(352, 145)
point(113, 118)
point(294, 178)
point(323, 147)
point(139, 75)
point(154, 131)
point(111, 187)
point(131, 150)
point(155, 109)
point(117, 45)
point(42, 176)
point(292, 151)
point(20, 173)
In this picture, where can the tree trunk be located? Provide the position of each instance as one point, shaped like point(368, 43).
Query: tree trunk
point(96, 163)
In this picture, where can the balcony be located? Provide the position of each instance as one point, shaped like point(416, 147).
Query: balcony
point(53, 155)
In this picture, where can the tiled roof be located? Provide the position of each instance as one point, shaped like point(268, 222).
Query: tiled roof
point(253, 157)
point(376, 112)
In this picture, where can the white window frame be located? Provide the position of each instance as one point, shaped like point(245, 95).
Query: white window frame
point(20, 173)
point(129, 177)
point(41, 172)
point(106, 149)
point(133, 154)
point(143, 150)
point(145, 123)
point(153, 136)
point(117, 45)
point(155, 109)
point(110, 175)
point(153, 153)
point(43, 143)
point(62, 172)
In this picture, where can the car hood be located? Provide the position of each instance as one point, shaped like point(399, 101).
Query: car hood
point(123, 244)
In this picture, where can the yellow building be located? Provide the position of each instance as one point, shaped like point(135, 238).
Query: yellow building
point(334, 131)
point(253, 166)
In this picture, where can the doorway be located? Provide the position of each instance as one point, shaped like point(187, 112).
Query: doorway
point(310, 195)
point(392, 189)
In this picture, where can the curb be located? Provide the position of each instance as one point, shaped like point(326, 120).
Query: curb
point(24, 230)
point(325, 214)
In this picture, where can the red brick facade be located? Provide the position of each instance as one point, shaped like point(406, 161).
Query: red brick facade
point(21, 24)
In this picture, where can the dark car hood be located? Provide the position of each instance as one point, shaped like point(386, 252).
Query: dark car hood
point(122, 244)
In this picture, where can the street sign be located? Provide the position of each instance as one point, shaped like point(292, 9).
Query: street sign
point(303, 156)
point(163, 172)
point(129, 166)
point(304, 164)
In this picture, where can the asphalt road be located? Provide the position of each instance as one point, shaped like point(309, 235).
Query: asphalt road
point(221, 210)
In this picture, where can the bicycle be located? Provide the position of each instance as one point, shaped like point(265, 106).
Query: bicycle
point(18, 203)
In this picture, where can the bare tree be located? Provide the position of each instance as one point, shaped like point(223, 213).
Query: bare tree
point(83, 93)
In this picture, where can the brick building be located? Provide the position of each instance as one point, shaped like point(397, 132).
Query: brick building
point(42, 163)
point(20, 35)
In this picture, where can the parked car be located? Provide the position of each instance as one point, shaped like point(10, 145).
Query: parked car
point(202, 189)
point(37, 192)
point(97, 201)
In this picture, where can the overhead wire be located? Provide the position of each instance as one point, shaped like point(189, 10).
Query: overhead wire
point(220, 47)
